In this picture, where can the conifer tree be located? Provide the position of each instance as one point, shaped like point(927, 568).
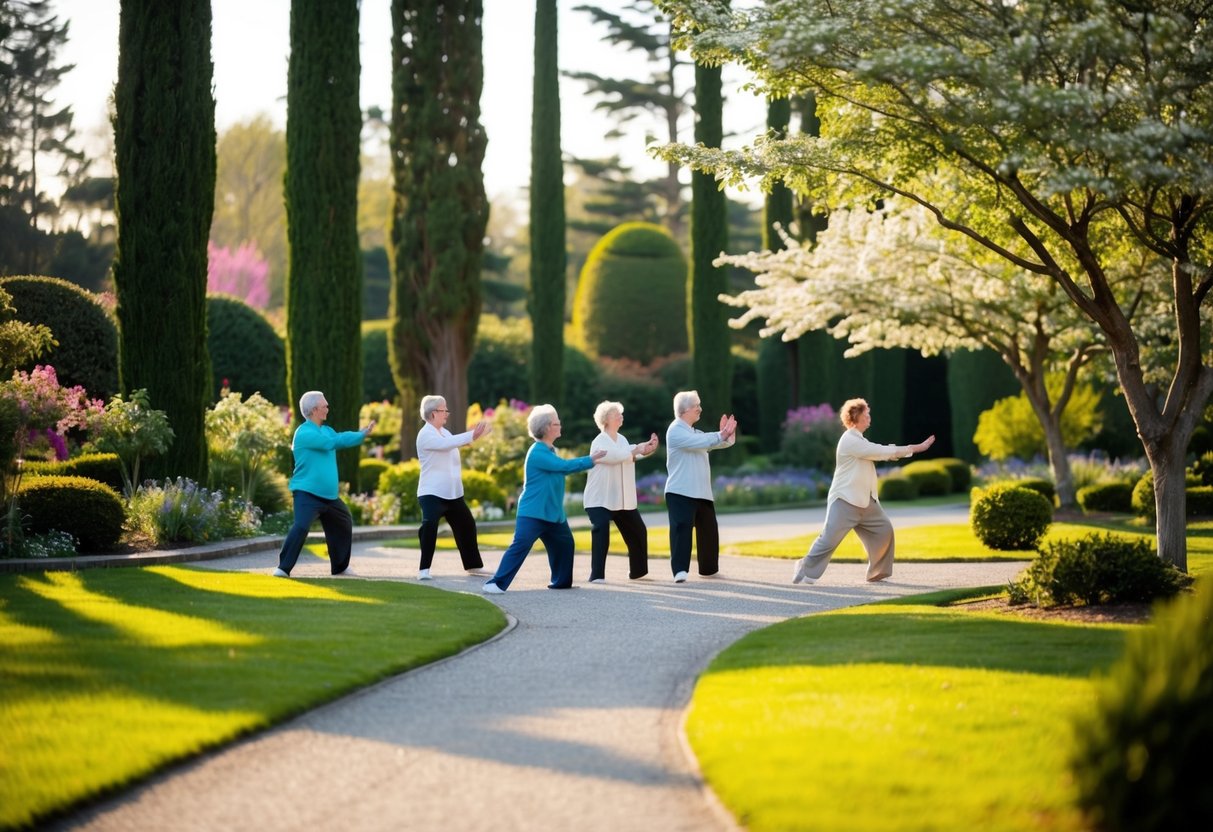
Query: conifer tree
point(164, 143)
point(546, 297)
point(439, 210)
point(324, 282)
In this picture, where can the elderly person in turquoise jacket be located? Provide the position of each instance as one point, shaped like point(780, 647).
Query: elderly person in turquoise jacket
point(541, 505)
point(314, 486)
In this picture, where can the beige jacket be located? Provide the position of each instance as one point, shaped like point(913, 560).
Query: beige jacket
point(855, 468)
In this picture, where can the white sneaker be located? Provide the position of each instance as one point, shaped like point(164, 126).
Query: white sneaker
point(597, 580)
point(680, 577)
point(801, 574)
point(423, 575)
point(492, 589)
point(278, 573)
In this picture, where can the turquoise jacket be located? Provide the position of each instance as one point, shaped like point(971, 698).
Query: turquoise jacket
point(315, 448)
point(543, 482)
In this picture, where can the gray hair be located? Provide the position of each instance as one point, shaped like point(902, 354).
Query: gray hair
point(429, 404)
point(540, 420)
point(308, 402)
point(604, 411)
point(684, 400)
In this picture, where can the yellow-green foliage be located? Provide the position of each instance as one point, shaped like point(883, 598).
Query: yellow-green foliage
point(401, 479)
point(631, 298)
point(1011, 428)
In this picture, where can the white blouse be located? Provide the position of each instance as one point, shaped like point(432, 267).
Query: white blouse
point(438, 452)
point(611, 484)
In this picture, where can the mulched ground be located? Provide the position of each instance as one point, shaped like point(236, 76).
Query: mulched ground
point(1127, 613)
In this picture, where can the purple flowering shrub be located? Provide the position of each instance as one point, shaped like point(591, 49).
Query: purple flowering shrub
point(810, 436)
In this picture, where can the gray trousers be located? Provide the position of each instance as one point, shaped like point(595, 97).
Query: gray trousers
point(875, 532)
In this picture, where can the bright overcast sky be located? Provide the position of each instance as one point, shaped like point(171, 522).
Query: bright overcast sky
point(250, 44)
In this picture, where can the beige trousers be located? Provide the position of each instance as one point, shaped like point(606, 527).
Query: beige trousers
point(875, 532)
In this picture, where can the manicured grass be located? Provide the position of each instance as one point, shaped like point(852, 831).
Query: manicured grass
point(110, 674)
point(899, 716)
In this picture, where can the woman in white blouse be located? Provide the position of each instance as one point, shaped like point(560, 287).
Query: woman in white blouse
point(610, 495)
point(440, 486)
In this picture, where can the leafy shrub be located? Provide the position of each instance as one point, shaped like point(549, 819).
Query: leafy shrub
point(931, 478)
point(634, 260)
point(1096, 569)
point(400, 480)
point(369, 471)
point(88, 510)
point(377, 382)
point(895, 487)
point(1200, 501)
point(809, 437)
point(1010, 428)
point(133, 431)
point(1106, 496)
point(1008, 517)
point(1199, 498)
point(1202, 468)
point(959, 471)
point(502, 452)
point(181, 511)
point(101, 467)
point(1140, 754)
point(245, 350)
point(87, 354)
point(269, 487)
point(480, 488)
point(246, 434)
point(1040, 485)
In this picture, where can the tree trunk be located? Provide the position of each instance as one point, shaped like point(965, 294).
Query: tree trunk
point(1059, 462)
point(1170, 500)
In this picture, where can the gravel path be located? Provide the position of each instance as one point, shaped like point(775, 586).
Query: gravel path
point(571, 719)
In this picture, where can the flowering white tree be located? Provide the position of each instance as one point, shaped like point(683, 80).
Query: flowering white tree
point(890, 278)
point(1073, 129)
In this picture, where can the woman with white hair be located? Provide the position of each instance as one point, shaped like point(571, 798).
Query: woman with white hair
point(541, 505)
point(440, 486)
point(610, 495)
point(688, 485)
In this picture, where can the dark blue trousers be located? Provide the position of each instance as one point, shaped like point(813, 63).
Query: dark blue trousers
point(338, 528)
point(687, 515)
point(557, 539)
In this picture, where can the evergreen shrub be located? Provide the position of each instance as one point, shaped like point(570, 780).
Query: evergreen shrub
point(1106, 496)
point(104, 468)
point(896, 487)
point(931, 478)
point(369, 472)
point(401, 480)
point(245, 350)
point(1008, 517)
point(1199, 498)
point(959, 470)
point(481, 488)
point(377, 382)
point(87, 334)
point(631, 296)
point(1040, 485)
point(1096, 569)
point(1140, 752)
point(269, 488)
point(90, 511)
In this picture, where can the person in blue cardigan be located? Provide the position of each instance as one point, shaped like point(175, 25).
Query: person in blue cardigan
point(314, 486)
point(541, 505)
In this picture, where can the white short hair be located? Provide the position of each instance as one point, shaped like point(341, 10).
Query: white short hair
point(308, 402)
point(604, 411)
point(429, 404)
point(684, 400)
point(540, 420)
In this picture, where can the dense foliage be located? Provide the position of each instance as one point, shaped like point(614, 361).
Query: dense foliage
point(89, 510)
point(1008, 517)
point(1096, 569)
point(247, 355)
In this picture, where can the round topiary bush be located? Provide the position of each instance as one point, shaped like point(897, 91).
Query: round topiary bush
point(369, 471)
point(631, 296)
point(931, 478)
point(245, 350)
point(87, 334)
point(1140, 752)
point(961, 473)
point(90, 511)
point(1007, 517)
point(101, 467)
point(1106, 496)
point(401, 479)
point(896, 487)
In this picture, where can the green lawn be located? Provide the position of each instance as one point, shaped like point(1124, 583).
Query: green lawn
point(110, 674)
point(898, 716)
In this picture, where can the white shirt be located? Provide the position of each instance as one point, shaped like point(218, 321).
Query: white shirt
point(611, 483)
point(438, 452)
point(855, 471)
point(686, 459)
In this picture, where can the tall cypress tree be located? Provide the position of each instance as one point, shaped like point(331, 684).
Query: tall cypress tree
point(819, 360)
point(546, 297)
point(777, 367)
point(164, 146)
point(711, 370)
point(324, 278)
point(440, 210)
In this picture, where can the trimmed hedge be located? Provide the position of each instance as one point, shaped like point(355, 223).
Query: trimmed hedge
point(961, 473)
point(87, 334)
point(377, 382)
point(90, 511)
point(101, 467)
point(1199, 497)
point(1008, 517)
point(1106, 496)
point(369, 472)
point(931, 478)
point(245, 350)
point(896, 487)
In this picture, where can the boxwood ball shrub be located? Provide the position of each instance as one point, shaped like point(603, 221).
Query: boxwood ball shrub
point(959, 470)
point(90, 511)
point(931, 478)
point(1141, 751)
point(1106, 496)
point(245, 350)
point(896, 488)
point(1008, 517)
point(631, 297)
point(87, 334)
point(101, 467)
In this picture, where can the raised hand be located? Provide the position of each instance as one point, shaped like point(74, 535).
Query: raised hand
point(483, 427)
point(597, 455)
point(368, 427)
point(924, 444)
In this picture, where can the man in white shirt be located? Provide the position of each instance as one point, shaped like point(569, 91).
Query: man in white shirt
point(440, 486)
point(852, 502)
point(688, 485)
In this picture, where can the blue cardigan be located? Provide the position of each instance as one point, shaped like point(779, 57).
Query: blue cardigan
point(543, 482)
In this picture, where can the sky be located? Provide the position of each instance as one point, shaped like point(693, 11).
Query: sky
point(250, 46)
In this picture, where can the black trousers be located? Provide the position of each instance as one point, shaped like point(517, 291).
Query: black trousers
point(687, 515)
point(635, 535)
point(338, 528)
point(463, 528)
